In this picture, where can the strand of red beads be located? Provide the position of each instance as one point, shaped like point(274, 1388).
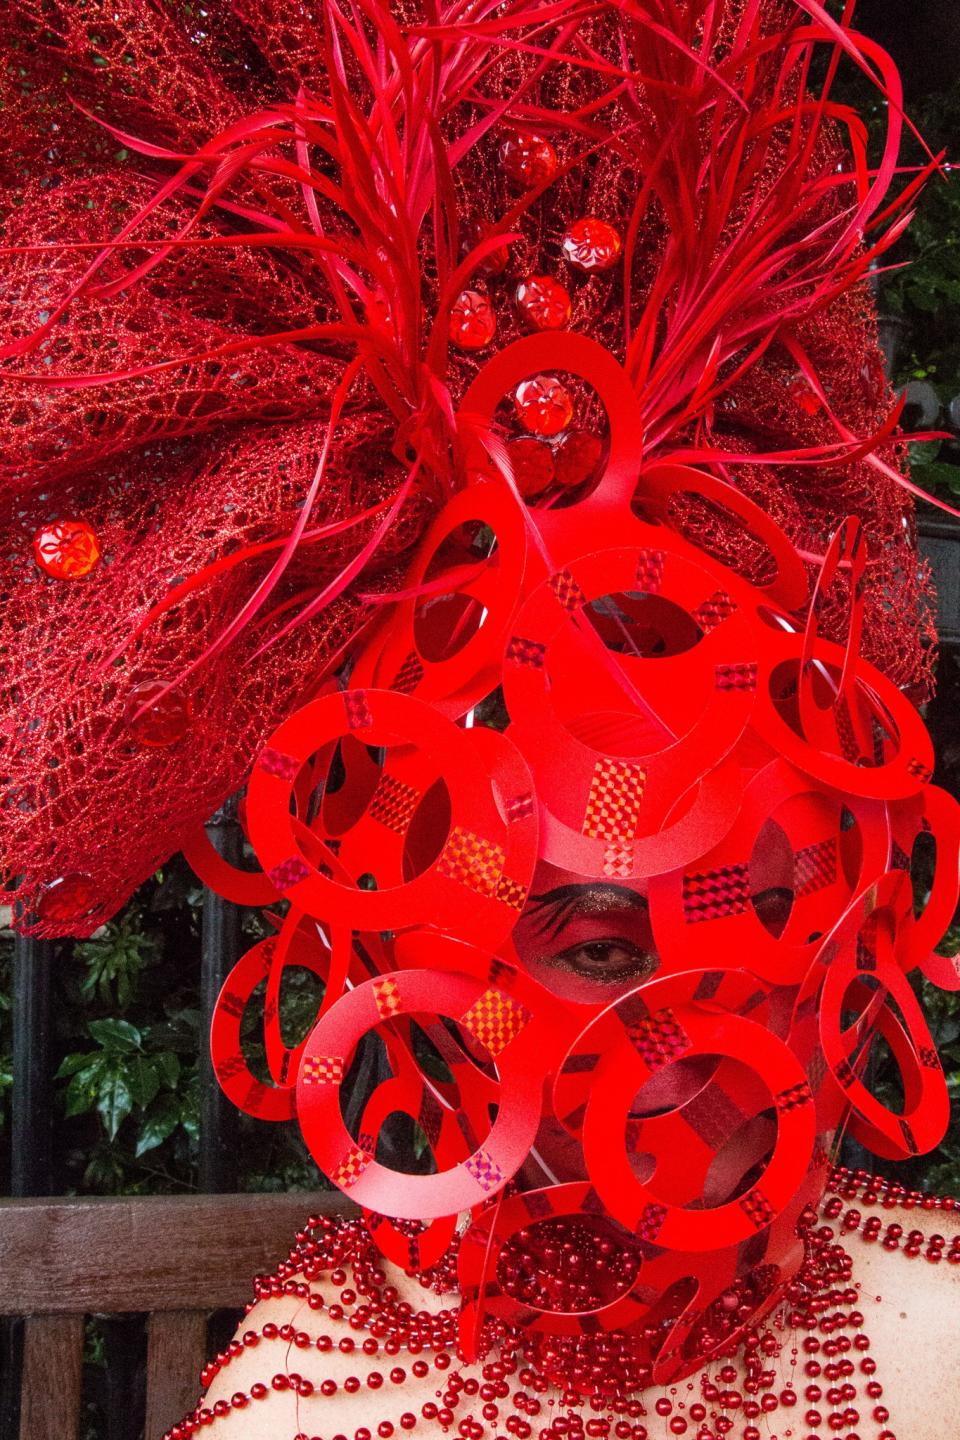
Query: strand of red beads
point(818, 1317)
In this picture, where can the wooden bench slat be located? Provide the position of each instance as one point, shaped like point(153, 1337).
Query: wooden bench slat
point(176, 1351)
point(146, 1253)
point(52, 1368)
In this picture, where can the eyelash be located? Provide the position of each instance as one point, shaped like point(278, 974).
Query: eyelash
point(647, 963)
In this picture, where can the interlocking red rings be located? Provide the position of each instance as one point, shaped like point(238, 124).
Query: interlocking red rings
point(478, 883)
point(519, 1041)
point(680, 1018)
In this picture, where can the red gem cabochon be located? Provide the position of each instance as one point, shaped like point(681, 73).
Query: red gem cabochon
point(164, 721)
point(543, 303)
point(67, 549)
point(528, 160)
point(591, 244)
point(543, 405)
point(473, 323)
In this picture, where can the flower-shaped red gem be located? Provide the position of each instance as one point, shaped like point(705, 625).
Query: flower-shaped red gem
point(591, 244)
point(532, 464)
point(473, 323)
point(528, 160)
point(576, 458)
point(543, 303)
point(164, 721)
point(69, 898)
point(543, 405)
point(67, 549)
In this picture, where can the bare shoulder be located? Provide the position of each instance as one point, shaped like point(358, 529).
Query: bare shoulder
point(329, 1391)
point(911, 1310)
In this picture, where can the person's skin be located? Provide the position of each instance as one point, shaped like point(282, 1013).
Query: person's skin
point(590, 942)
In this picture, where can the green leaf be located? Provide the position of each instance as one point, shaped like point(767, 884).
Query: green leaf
point(160, 1121)
point(169, 1065)
point(84, 1089)
point(114, 1101)
point(116, 1035)
point(79, 1060)
point(143, 1079)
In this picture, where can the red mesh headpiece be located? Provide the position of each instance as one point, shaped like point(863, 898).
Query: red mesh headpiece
point(177, 398)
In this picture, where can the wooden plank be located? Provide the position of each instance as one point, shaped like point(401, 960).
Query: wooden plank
point(50, 1386)
point(176, 1351)
point(146, 1252)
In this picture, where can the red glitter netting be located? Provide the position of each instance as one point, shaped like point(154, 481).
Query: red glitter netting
point(175, 393)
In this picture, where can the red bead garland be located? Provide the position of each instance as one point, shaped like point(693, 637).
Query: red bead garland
point(818, 1317)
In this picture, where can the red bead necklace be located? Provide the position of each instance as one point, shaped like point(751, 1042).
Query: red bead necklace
point(833, 1391)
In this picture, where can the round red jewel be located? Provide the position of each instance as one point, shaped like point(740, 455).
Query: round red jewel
point(576, 458)
point(473, 323)
point(543, 303)
point(166, 720)
point(528, 160)
point(532, 464)
point(69, 898)
point(591, 244)
point(494, 262)
point(67, 549)
point(804, 397)
point(543, 405)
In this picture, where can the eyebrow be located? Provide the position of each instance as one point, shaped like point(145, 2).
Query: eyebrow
point(554, 908)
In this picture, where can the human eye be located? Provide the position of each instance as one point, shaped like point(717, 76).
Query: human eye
point(610, 960)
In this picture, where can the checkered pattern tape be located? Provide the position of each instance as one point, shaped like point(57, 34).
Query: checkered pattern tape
point(917, 768)
point(495, 1019)
point(275, 762)
point(526, 652)
point(714, 610)
point(567, 590)
point(484, 1170)
point(736, 677)
point(351, 1167)
point(289, 873)
point(866, 959)
point(393, 803)
point(814, 868)
point(881, 740)
point(712, 1116)
point(845, 1074)
point(511, 892)
point(536, 1204)
point(909, 1139)
point(928, 1058)
point(520, 807)
point(650, 570)
point(409, 675)
point(613, 804)
point(358, 711)
point(849, 744)
point(472, 861)
point(794, 1096)
point(386, 994)
point(430, 1117)
point(650, 1222)
point(756, 1205)
point(232, 1004)
point(714, 894)
point(230, 1066)
point(659, 1038)
point(322, 1069)
point(618, 861)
